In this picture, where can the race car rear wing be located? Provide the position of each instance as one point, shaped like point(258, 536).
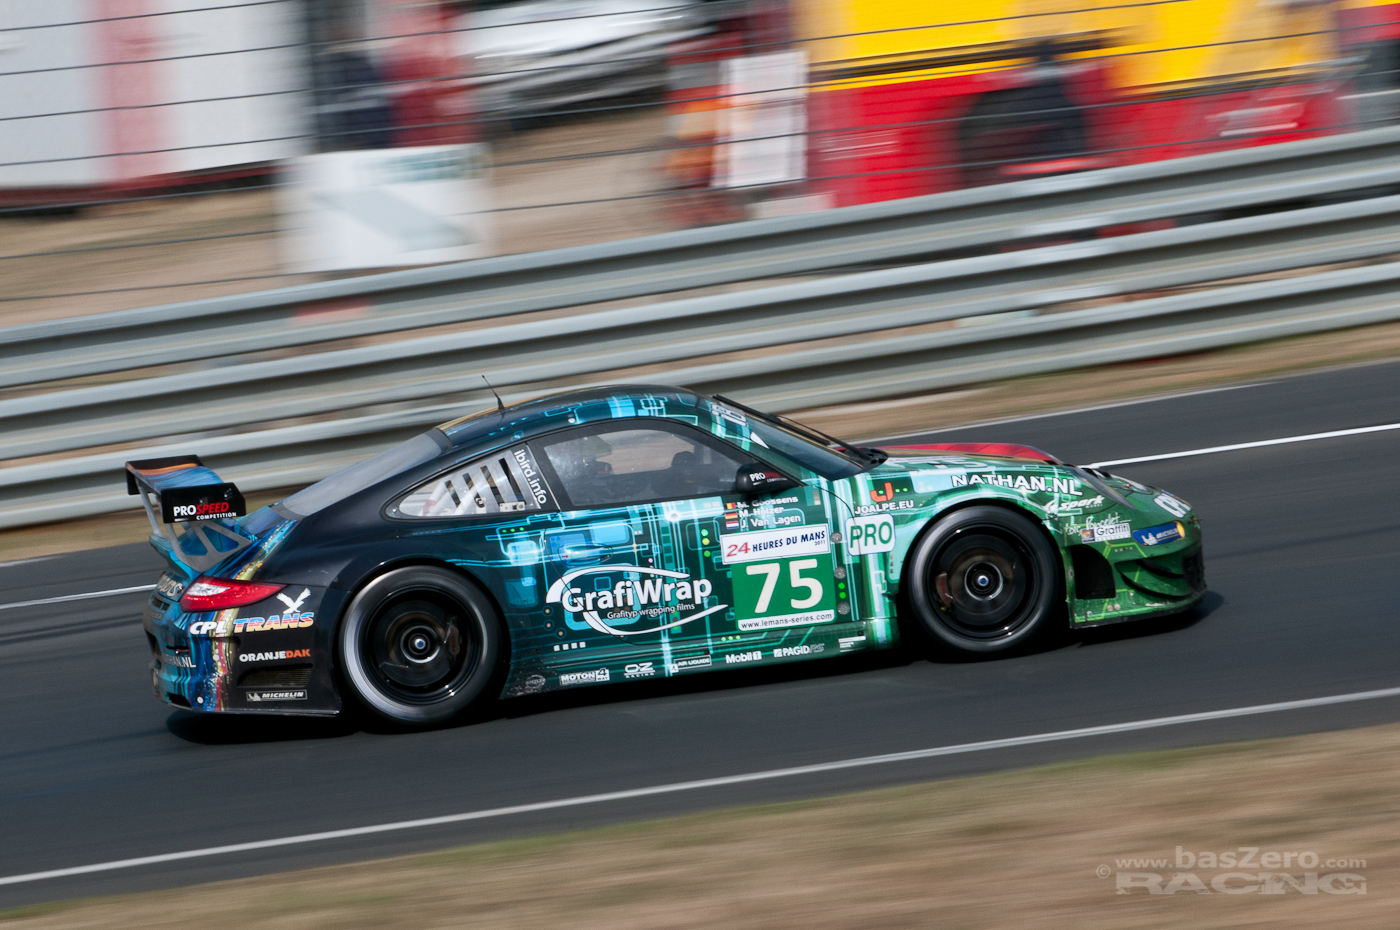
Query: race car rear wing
point(182, 491)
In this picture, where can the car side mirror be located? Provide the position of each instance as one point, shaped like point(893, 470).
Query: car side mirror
point(760, 479)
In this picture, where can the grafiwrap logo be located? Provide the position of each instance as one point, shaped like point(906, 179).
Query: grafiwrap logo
point(654, 594)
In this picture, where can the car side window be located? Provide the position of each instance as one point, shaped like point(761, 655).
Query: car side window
point(507, 481)
point(635, 465)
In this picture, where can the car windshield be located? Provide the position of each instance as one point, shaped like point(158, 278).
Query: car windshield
point(829, 463)
point(357, 477)
point(807, 446)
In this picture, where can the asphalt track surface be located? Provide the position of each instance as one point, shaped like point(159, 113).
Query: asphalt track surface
point(1301, 549)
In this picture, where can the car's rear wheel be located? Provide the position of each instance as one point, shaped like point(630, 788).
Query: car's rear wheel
point(984, 580)
point(419, 645)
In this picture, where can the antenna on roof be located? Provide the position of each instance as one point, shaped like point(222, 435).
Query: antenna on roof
point(500, 407)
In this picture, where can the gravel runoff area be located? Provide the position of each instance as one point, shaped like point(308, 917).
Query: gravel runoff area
point(1127, 841)
point(901, 416)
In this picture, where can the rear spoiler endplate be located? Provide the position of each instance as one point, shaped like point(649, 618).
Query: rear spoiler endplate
point(182, 490)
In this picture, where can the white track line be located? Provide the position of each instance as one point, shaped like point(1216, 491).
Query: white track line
point(1250, 445)
point(1146, 458)
point(675, 787)
point(1021, 418)
point(78, 597)
point(37, 558)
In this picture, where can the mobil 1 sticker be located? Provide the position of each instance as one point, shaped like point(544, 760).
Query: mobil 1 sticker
point(868, 535)
point(774, 544)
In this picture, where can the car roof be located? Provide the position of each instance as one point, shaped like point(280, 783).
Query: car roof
point(570, 408)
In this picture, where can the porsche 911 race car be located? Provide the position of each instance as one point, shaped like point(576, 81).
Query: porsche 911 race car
point(628, 534)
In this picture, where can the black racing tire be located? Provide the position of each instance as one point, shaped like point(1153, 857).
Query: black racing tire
point(418, 646)
point(984, 580)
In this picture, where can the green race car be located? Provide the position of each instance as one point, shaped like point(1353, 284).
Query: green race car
point(632, 533)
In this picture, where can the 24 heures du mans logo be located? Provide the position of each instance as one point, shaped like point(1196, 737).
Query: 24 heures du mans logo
point(655, 594)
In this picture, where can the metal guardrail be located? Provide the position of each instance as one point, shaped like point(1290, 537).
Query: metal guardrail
point(851, 336)
point(521, 355)
point(916, 229)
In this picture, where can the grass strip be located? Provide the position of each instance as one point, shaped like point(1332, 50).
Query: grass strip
point(1026, 848)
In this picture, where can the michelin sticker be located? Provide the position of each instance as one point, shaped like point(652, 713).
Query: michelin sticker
point(868, 535)
point(1158, 535)
point(774, 544)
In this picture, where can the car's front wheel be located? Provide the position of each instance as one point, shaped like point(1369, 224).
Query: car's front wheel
point(983, 580)
point(418, 645)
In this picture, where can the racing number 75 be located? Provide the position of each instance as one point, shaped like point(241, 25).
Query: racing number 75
point(795, 568)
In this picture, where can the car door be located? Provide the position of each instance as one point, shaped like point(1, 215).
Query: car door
point(634, 566)
point(660, 561)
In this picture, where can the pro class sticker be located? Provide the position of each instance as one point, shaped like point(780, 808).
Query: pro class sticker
point(868, 535)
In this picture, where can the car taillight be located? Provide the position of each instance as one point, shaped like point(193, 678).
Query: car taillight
point(220, 594)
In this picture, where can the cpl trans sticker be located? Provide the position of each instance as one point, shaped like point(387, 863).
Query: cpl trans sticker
point(252, 625)
point(868, 535)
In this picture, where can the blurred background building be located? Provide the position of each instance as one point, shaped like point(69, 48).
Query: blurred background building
point(543, 123)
